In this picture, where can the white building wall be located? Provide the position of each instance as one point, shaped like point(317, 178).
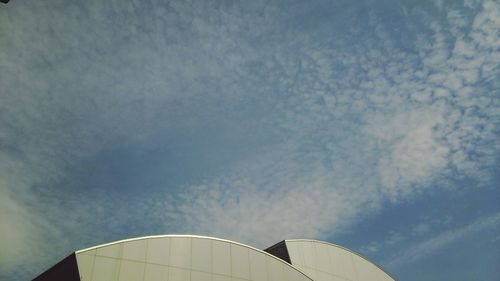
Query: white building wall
point(327, 262)
point(182, 258)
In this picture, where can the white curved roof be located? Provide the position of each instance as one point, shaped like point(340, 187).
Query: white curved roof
point(202, 258)
point(182, 258)
point(324, 261)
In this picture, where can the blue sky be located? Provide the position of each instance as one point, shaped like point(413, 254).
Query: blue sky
point(370, 124)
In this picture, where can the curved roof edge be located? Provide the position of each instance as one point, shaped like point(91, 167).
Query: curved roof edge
point(344, 248)
point(193, 236)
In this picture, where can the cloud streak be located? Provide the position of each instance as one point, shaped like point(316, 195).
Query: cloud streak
point(442, 240)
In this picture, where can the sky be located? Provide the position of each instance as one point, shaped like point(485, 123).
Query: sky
point(373, 124)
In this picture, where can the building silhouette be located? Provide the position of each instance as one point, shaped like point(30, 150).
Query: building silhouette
point(200, 258)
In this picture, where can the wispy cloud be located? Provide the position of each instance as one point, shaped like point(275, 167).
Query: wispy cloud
point(421, 229)
point(440, 241)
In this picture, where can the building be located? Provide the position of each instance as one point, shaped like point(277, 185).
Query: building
point(323, 261)
point(200, 258)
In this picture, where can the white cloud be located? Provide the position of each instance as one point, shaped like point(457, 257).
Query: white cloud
point(414, 128)
point(371, 248)
point(394, 238)
point(438, 3)
point(414, 158)
point(471, 3)
point(282, 204)
point(17, 227)
point(420, 229)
